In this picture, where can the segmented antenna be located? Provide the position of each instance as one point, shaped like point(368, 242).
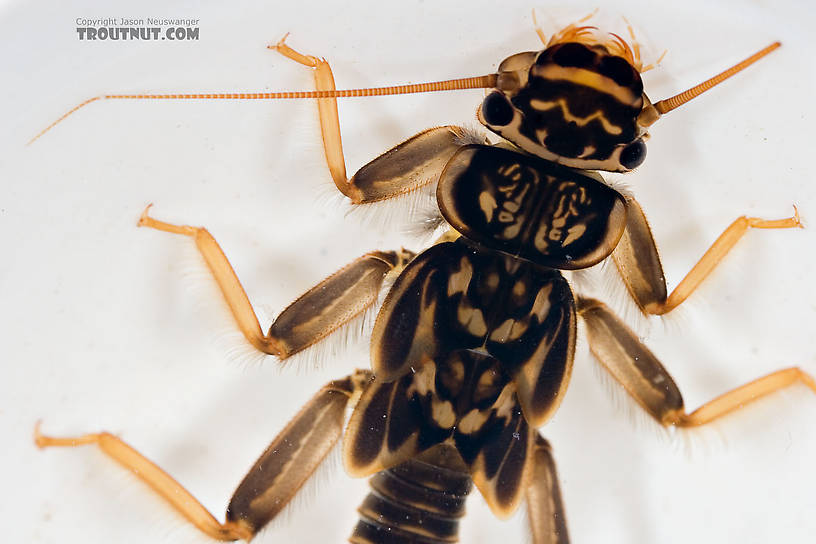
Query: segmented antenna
point(668, 104)
point(480, 82)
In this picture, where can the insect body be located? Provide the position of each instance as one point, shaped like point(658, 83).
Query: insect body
point(473, 347)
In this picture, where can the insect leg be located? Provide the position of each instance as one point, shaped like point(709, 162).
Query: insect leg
point(636, 368)
point(329, 119)
point(277, 476)
point(320, 311)
point(545, 508)
point(638, 261)
point(412, 164)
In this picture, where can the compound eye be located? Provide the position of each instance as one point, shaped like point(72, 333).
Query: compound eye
point(633, 155)
point(497, 110)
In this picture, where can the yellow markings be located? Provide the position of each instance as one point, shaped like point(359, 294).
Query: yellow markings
point(473, 421)
point(488, 379)
point(360, 379)
point(588, 78)
point(423, 382)
point(541, 304)
point(544, 105)
point(487, 386)
point(517, 182)
point(575, 232)
point(424, 341)
point(472, 319)
point(539, 410)
point(512, 206)
point(452, 376)
point(488, 205)
point(509, 330)
point(442, 413)
point(513, 230)
point(572, 204)
point(512, 132)
point(458, 281)
point(385, 457)
point(588, 151)
point(506, 402)
point(515, 172)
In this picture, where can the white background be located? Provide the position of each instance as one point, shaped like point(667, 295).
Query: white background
point(102, 330)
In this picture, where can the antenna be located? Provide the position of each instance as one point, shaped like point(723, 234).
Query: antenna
point(651, 114)
point(479, 82)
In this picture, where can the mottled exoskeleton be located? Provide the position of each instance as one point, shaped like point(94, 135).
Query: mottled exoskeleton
point(473, 346)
